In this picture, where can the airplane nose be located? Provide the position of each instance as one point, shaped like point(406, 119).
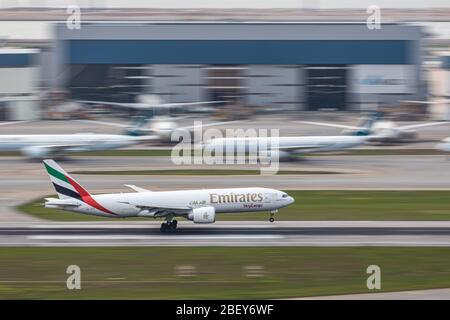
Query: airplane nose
point(291, 200)
point(442, 147)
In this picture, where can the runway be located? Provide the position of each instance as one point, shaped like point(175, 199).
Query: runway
point(432, 294)
point(286, 233)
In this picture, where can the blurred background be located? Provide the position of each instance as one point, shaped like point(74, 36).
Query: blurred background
point(302, 56)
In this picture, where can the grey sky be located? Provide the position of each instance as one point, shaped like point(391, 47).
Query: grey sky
point(232, 3)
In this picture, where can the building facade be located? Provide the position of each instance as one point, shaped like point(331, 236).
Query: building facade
point(439, 80)
point(301, 66)
point(19, 82)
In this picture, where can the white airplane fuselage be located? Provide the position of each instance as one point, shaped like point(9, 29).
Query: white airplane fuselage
point(181, 203)
point(38, 145)
point(288, 145)
point(19, 141)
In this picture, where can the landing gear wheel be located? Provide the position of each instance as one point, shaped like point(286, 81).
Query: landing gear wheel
point(272, 213)
point(168, 226)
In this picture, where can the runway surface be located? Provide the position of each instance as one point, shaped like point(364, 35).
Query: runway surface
point(284, 233)
point(432, 294)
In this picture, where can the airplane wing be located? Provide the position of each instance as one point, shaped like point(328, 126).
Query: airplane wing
point(136, 188)
point(334, 125)
point(182, 104)
point(422, 125)
point(62, 202)
point(114, 124)
point(133, 105)
point(212, 124)
point(143, 105)
point(12, 122)
point(158, 210)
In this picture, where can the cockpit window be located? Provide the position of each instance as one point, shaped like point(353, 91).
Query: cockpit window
point(284, 195)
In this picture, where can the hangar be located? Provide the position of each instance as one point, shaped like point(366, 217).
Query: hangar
point(19, 83)
point(287, 65)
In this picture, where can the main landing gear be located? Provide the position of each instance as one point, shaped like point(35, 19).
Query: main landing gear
point(169, 226)
point(272, 213)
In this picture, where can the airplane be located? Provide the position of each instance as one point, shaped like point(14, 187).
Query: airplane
point(382, 131)
point(160, 125)
point(39, 146)
point(198, 206)
point(284, 148)
point(152, 102)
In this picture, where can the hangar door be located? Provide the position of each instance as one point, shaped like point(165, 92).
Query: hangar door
point(326, 87)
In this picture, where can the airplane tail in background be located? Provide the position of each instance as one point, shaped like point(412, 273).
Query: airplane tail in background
point(138, 124)
point(367, 124)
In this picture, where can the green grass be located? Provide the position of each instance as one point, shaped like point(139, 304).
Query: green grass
point(150, 273)
point(199, 172)
point(318, 205)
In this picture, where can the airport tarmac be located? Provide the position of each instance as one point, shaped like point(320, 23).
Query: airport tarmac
point(357, 172)
point(24, 180)
point(286, 124)
point(432, 294)
point(286, 233)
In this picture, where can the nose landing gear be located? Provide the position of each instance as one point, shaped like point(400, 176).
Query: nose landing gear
point(169, 226)
point(272, 213)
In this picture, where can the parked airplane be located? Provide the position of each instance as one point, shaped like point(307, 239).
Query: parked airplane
point(284, 148)
point(160, 125)
point(199, 206)
point(383, 131)
point(39, 146)
point(163, 127)
point(151, 102)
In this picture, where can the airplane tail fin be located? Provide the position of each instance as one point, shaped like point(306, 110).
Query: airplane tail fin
point(367, 124)
point(138, 124)
point(66, 187)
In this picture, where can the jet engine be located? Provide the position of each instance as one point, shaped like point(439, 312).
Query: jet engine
point(274, 155)
point(35, 152)
point(202, 215)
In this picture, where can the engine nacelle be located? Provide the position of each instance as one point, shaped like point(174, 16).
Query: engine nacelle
point(35, 152)
point(203, 215)
point(267, 156)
